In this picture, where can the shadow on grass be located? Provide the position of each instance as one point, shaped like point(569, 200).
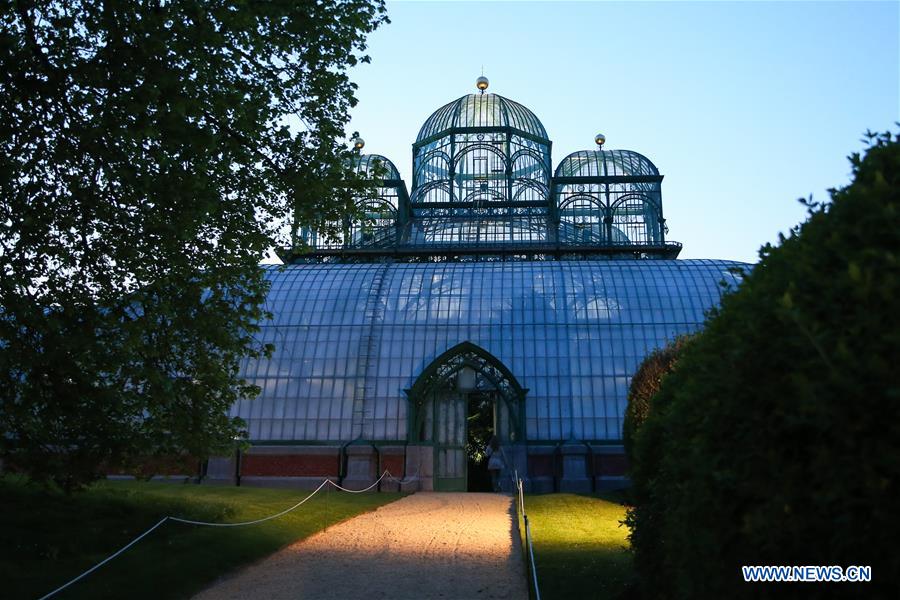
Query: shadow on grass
point(583, 571)
point(48, 538)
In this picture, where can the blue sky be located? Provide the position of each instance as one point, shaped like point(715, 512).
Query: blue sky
point(743, 106)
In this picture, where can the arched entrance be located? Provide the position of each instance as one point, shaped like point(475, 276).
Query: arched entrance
point(460, 399)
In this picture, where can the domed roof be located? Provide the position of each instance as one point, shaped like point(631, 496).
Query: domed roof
point(375, 166)
point(598, 163)
point(482, 110)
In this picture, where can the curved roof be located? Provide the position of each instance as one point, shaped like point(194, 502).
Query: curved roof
point(597, 163)
point(520, 312)
point(370, 165)
point(482, 110)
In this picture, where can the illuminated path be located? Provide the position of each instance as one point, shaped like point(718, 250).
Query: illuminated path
point(428, 545)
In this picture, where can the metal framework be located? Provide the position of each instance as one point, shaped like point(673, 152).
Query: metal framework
point(483, 189)
point(376, 222)
point(609, 197)
point(490, 375)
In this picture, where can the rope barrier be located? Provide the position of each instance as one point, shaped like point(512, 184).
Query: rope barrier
point(414, 477)
point(528, 539)
point(269, 518)
point(106, 560)
point(210, 524)
point(343, 489)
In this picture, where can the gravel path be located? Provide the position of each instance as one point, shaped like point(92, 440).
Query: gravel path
point(428, 545)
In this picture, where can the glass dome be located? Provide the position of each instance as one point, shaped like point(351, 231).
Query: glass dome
point(600, 163)
point(372, 221)
point(609, 197)
point(370, 166)
point(482, 110)
point(485, 158)
point(484, 185)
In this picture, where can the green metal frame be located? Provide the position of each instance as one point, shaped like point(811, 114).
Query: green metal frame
point(449, 484)
point(442, 368)
point(513, 251)
point(483, 186)
point(437, 376)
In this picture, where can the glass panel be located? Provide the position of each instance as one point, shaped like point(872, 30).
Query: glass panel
point(572, 332)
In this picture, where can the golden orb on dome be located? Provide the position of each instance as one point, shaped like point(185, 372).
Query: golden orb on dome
point(358, 143)
point(482, 83)
point(600, 139)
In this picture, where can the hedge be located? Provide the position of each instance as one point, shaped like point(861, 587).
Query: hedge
point(645, 384)
point(776, 441)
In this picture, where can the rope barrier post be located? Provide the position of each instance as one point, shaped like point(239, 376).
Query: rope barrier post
point(327, 506)
point(237, 467)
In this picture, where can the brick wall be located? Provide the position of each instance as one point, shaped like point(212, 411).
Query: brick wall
point(290, 465)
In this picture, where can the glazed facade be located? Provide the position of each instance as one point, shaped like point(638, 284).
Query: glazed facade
point(572, 332)
point(497, 282)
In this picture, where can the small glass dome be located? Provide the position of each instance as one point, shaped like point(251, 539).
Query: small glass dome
point(375, 166)
point(609, 197)
point(599, 163)
point(482, 110)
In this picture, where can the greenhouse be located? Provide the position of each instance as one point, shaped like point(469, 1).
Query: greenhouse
point(497, 296)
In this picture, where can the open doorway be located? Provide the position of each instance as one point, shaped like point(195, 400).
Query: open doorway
point(479, 429)
point(462, 398)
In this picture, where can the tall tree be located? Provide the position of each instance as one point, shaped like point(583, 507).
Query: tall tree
point(149, 154)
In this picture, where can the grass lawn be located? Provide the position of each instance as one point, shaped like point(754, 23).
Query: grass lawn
point(47, 538)
point(580, 549)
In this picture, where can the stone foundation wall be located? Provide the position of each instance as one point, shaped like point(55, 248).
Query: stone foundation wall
point(562, 467)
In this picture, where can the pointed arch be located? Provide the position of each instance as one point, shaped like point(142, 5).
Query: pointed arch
point(440, 374)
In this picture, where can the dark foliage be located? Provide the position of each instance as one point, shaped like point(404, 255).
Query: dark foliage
point(149, 154)
point(777, 439)
point(645, 384)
